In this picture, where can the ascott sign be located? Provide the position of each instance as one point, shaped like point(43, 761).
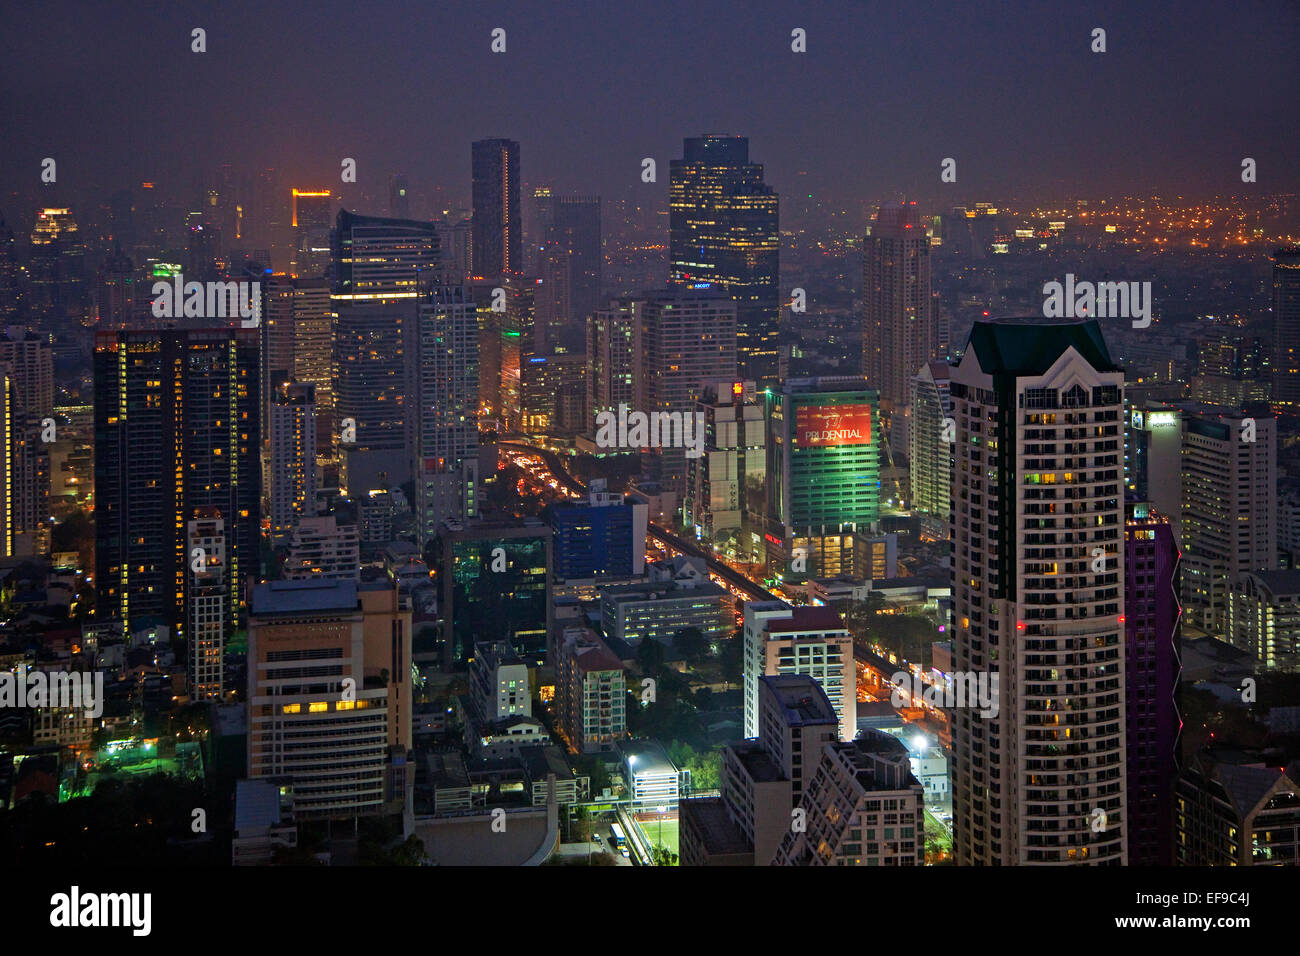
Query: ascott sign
point(821, 425)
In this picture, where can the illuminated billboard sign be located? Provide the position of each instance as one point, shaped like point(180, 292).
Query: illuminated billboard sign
point(825, 425)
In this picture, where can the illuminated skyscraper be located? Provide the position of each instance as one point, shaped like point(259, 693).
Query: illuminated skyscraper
point(1286, 327)
point(723, 234)
point(177, 434)
point(57, 264)
point(726, 487)
point(685, 340)
point(898, 326)
point(312, 215)
point(1229, 514)
point(292, 475)
point(379, 267)
point(611, 360)
point(824, 445)
point(26, 361)
point(497, 223)
point(930, 452)
point(1038, 597)
point(444, 409)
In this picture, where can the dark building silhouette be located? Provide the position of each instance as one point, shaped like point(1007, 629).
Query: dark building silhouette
point(497, 244)
point(1286, 327)
point(1150, 681)
point(176, 439)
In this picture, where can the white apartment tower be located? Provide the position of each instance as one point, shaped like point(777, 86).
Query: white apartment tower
point(781, 639)
point(1038, 599)
point(929, 444)
point(444, 422)
point(1229, 513)
point(292, 478)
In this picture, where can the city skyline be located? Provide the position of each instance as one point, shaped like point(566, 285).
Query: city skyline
point(699, 435)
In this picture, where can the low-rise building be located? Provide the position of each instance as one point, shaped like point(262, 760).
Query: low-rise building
point(1233, 810)
point(590, 692)
point(863, 807)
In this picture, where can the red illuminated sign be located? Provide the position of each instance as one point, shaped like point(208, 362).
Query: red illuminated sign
point(822, 425)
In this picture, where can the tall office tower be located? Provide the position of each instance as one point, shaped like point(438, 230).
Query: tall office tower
point(857, 790)
point(323, 549)
point(1151, 670)
point(898, 324)
point(571, 263)
point(475, 599)
point(590, 692)
point(7, 516)
point(521, 339)
point(399, 203)
point(313, 214)
point(202, 246)
point(379, 267)
point(115, 293)
point(455, 240)
point(930, 452)
point(1153, 459)
point(177, 430)
point(443, 413)
point(207, 603)
point(343, 746)
point(1037, 596)
point(602, 537)
point(539, 213)
point(685, 339)
point(1263, 618)
point(762, 779)
point(292, 475)
point(1232, 367)
point(276, 327)
point(498, 222)
point(56, 265)
point(1233, 809)
point(612, 357)
point(1286, 328)
point(491, 335)
point(780, 639)
point(313, 352)
point(823, 475)
point(726, 487)
point(723, 234)
point(27, 361)
point(11, 300)
point(552, 392)
point(1229, 515)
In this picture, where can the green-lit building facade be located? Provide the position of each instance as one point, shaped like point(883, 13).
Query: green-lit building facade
point(824, 439)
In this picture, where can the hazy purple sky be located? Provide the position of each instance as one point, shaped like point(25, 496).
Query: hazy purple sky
point(884, 93)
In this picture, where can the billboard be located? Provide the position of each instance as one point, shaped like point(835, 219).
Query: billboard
point(824, 425)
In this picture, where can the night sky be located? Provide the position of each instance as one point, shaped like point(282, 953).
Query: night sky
point(884, 93)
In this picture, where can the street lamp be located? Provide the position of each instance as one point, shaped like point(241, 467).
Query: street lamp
point(662, 811)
